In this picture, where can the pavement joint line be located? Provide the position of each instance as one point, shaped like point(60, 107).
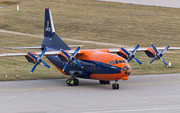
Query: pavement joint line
point(41, 89)
point(19, 89)
point(26, 93)
point(12, 97)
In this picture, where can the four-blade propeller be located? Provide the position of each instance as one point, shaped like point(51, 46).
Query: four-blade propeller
point(131, 55)
point(38, 60)
point(71, 58)
point(159, 54)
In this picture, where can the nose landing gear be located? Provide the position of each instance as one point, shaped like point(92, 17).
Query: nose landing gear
point(115, 85)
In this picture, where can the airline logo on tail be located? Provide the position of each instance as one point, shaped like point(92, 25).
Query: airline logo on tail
point(47, 28)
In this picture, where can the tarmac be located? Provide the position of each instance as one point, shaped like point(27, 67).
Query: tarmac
point(162, 3)
point(140, 94)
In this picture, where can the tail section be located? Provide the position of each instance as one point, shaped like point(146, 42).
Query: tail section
point(51, 39)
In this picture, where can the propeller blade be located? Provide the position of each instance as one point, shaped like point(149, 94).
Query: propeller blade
point(43, 52)
point(166, 48)
point(45, 64)
point(77, 50)
point(135, 49)
point(154, 47)
point(32, 55)
point(64, 53)
point(152, 60)
point(78, 63)
point(125, 51)
point(34, 67)
point(138, 61)
point(66, 65)
point(128, 59)
point(164, 61)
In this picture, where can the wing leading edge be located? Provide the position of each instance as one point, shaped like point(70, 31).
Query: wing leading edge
point(115, 50)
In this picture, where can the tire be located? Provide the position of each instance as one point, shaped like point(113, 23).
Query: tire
point(113, 86)
point(67, 82)
point(76, 82)
point(100, 81)
point(107, 82)
point(117, 86)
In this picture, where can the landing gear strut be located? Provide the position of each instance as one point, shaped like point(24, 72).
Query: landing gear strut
point(72, 82)
point(115, 85)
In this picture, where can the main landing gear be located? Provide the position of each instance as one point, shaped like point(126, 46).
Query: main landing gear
point(115, 85)
point(72, 82)
point(104, 82)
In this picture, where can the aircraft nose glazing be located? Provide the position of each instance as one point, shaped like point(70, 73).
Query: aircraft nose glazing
point(127, 70)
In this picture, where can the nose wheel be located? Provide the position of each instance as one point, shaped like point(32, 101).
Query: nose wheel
point(115, 85)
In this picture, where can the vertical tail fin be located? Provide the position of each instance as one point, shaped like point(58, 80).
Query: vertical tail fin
point(51, 39)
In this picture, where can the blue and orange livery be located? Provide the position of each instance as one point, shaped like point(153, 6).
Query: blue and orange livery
point(100, 64)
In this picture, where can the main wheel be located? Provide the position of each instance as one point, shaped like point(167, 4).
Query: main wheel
point(113, 86)
point(76, 82)
point(68, 81)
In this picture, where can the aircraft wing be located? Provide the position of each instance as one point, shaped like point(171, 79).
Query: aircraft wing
point(115, 50)
point(142, 49)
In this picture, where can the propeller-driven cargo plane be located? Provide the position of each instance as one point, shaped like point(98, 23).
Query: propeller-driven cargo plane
point(104, 65)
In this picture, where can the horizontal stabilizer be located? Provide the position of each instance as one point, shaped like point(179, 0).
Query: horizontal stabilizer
point(40, 47)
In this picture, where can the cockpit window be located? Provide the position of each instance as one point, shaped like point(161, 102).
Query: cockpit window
point(120, 61)
point(116, 62)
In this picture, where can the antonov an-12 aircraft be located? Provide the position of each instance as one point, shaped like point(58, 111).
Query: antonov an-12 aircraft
point(104, 65)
